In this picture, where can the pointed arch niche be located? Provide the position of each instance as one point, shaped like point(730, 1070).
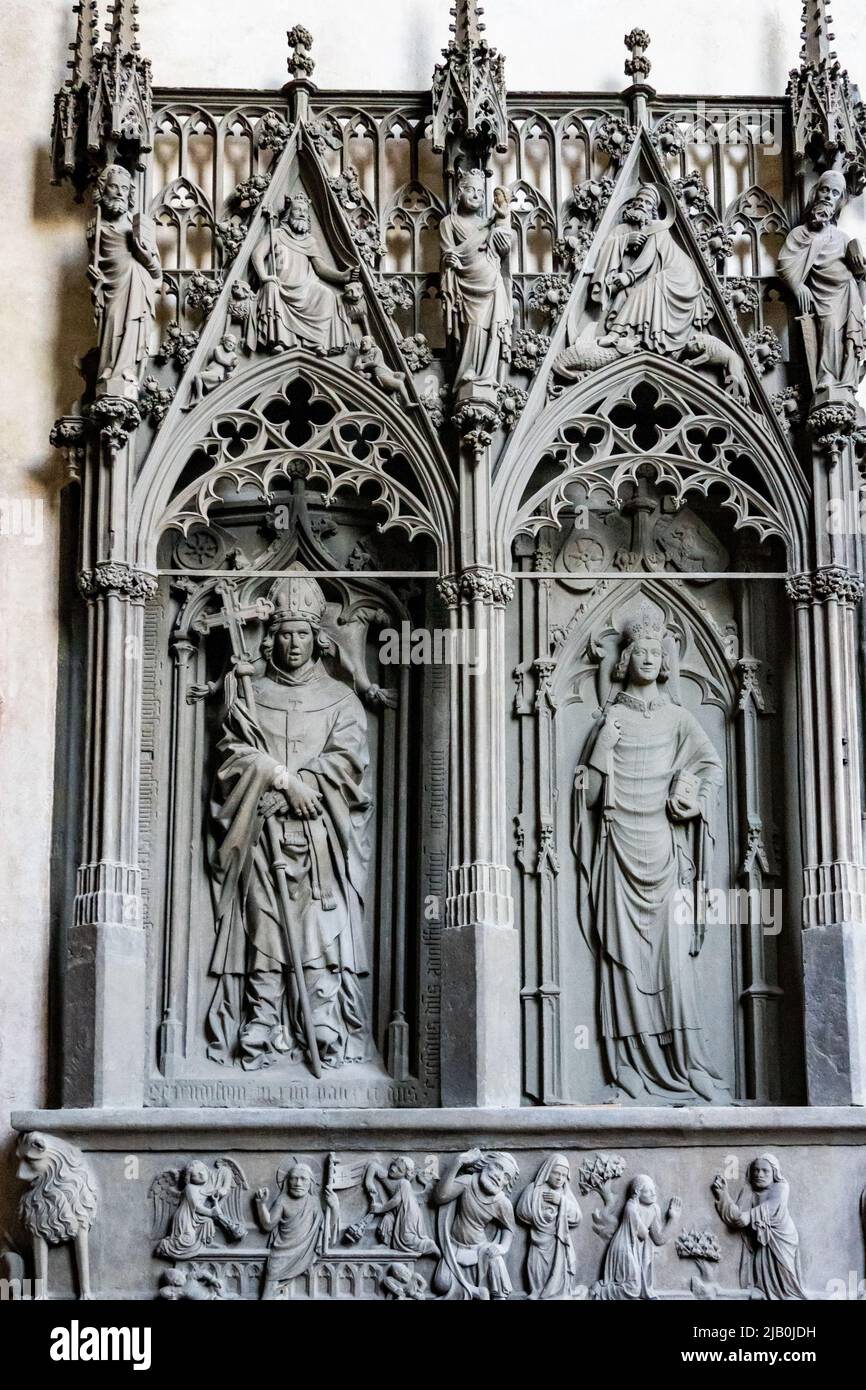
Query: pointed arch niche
point(646, 483)
point(294, 463)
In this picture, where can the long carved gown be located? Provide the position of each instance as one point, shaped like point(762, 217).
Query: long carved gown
point(294, 1240)
point(551, 1215)
point(478, 306)
point(771, 1246)
point(128, 300)
point(300, 308)
point(628, 1263)
point(636, 873)
point(817, 258)
point(665, 306)
point(315, 726)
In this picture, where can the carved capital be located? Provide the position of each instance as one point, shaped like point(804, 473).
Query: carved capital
point(69, 433)
point(112, 579)
point(115, 419)
point(830, 583)
point(837, 583)
point(799, 589)
point(476, 422)
point(476, 585)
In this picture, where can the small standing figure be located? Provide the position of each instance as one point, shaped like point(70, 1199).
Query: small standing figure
point(550, 1209)
point(124, 273)
point(628, 1264)
point(370, 362)
point(223, 362)
point(296, 1225)
point(770, 1261)
point(59, 1205)
point(823, 268)
point(475, 1226)
point(190, 1206)
point(475, 288)
point(401, 1221)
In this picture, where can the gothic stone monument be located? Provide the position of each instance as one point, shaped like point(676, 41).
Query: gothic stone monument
point(471, 895)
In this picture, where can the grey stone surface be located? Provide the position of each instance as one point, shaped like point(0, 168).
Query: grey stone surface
point(457, 923)
point(141, 1160)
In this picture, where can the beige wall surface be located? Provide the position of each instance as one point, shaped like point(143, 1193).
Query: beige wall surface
point(740, 47)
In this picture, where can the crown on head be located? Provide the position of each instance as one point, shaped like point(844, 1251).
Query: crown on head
point(645, 624)
point(472, 176)
point(297, 596)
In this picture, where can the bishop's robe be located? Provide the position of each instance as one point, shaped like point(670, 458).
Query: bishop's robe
point(315, 727)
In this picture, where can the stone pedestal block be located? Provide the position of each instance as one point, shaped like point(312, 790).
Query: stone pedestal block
point(481, 1016)
point(104, 1048)
point(834, 962)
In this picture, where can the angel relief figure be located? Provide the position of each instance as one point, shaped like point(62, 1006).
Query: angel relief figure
point(394, 1207)
point(646, 788)
point(191, 1204)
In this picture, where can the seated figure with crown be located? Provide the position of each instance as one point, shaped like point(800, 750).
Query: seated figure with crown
point(646, 790)
point(299, 753)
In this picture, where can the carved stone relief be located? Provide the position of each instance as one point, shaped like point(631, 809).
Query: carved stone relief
point(609, 478)
point(655, 776)
point(191, 1207)
point(770, 1262)
point(59, 1205)
point(823, 266)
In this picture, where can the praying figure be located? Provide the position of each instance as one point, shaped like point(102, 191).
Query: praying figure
point(475, 1226)
point(646, 790)
point(770, 1261)
point(475, 287)
point(550, 1209)
point(124, 273)
point(296, 305)
point(627, 1275)
point(825, 268)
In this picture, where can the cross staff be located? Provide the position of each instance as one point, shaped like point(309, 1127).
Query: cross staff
point(234, 618)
